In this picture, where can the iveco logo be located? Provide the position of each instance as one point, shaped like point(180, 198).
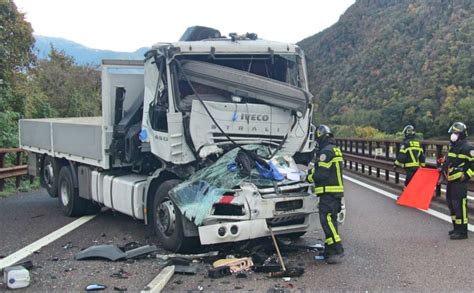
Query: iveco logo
point(254, 117)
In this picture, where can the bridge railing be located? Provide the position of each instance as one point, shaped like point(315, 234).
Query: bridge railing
point(17, 170)
point(376, 155)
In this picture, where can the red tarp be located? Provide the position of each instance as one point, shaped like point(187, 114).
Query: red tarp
point(419, 192)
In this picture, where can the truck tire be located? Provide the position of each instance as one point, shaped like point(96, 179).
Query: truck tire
point(168, 222)
point(48, 177)
point(72, 205)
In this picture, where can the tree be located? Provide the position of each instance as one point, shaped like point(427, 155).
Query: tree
point(70, 90)
point(16, 55)
point(16, 41)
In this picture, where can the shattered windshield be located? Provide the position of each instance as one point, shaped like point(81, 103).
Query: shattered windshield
point(196, 196)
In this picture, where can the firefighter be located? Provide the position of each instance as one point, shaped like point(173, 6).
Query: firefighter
point(327, 178)
point(458, 169)
point(410, 155)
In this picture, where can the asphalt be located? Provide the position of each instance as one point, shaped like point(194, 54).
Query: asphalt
point(388, 247)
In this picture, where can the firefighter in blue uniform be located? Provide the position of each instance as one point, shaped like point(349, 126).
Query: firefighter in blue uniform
point(410, 156)
point(458, 169)
point(327, 178)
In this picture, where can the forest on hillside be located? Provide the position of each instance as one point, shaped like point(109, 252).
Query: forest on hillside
point(388, 63)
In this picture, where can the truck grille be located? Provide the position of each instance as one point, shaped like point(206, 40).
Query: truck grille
point(220, 138)
point(300, 187)
point(289, 205)
point(286, 221)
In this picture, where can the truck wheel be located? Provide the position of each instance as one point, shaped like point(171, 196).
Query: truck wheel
point(167, 221)
point(48, 178)
point(72, 205)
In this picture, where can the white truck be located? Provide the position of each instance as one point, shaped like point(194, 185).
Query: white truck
point(170, 118)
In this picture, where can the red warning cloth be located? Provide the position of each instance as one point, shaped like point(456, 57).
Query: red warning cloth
point(419, 192)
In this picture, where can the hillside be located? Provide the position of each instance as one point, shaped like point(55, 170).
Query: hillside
point(81, 54)
point(387, 63)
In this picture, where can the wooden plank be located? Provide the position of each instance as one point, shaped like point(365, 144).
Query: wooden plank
point(160, 281)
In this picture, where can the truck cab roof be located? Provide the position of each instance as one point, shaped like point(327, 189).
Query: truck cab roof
point(227, 46)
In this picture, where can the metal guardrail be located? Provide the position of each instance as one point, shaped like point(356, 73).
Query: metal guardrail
point(16, 171)
point(376, 155)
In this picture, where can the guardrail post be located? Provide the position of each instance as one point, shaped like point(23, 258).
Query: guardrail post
point(350, 145)
point(387, 151)
point(357, 147)
point(2, 181)
point(387, 175)
point(370, 149)
point(345, 145)
point(18, 162)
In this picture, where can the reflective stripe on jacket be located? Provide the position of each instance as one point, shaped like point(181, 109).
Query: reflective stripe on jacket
point(327, 172)
point(410, 155)
point(460, 160)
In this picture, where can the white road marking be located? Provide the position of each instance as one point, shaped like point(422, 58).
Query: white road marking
point(160, 281)
point(27, 250)
point(394, 196)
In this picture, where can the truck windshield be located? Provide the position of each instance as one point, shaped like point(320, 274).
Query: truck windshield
point(268, 80)
point(286, 68)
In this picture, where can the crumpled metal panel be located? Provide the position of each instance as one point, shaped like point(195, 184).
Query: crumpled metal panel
point(110, 252)
point(248, 85)
point(196, 196)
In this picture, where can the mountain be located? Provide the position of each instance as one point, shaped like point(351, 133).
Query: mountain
point(387, 63)
point(82, 54)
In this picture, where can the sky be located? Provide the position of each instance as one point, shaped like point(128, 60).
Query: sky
point(128, 25)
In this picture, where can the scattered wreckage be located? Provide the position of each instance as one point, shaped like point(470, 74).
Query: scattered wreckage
point(166, 148)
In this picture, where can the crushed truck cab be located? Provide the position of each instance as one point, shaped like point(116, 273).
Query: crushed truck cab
point(168, 122)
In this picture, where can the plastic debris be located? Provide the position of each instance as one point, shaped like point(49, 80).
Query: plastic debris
point(16, 277)
point(120, 289)
point(186, 270)
point(110, 252)
point(140, 251)
point(95, 287)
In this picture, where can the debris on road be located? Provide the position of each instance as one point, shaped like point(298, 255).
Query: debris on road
point(235, 264)
point(269, 268)
point(110, 252)
point(140, 251)
point(16, 277)
point(121, 274)
point(186, 270)
point(216, 273)
point(120, 289)
point(289, 272)
point(95, 287)
point(27, 264)
point(178, 262)
point(68, 245)
point(187, 256)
